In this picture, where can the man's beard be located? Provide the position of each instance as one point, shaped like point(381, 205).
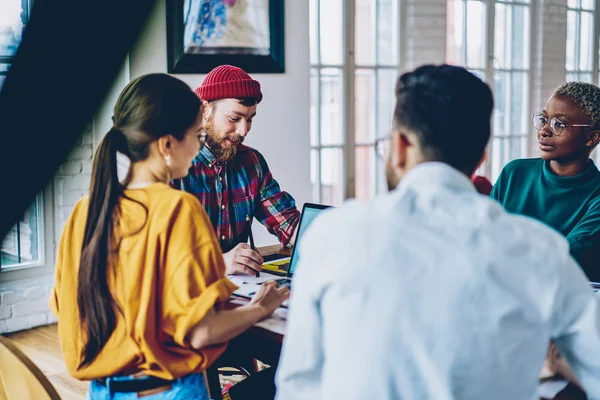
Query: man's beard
point(215, 142)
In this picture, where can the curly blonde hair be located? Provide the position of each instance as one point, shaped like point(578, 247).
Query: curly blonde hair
point(586, 96)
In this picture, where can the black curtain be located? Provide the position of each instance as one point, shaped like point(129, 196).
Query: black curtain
point(69, 55)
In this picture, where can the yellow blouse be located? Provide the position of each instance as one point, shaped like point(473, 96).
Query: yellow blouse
point(168, 273)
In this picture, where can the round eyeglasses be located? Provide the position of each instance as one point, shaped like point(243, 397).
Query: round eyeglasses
point(556, 126)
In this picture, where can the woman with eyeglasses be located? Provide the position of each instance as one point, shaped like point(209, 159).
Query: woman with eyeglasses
point(562, 188)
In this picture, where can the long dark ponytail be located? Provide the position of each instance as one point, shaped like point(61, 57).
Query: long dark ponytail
point(96, 304)
point(148, 108)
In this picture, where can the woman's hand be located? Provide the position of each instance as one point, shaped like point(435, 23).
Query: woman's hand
point(269, 297)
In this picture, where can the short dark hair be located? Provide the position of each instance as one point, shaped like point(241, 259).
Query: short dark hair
point(449, 110)
point(586, 96)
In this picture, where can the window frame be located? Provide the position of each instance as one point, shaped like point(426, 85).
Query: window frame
point(489, 70)
point(595, 50)
point(46, 242)
point(348, 68)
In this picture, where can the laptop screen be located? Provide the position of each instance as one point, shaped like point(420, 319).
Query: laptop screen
point(309, 213)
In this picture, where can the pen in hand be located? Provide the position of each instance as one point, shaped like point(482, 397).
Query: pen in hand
point(249, 222)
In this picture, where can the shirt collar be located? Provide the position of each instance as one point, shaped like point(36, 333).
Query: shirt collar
point(590, 174)
point(207, 157)
point(438, 174)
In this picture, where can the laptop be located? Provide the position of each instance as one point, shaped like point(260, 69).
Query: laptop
point(310, 211)
point(249, 285)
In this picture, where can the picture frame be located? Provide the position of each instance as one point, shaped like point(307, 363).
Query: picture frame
point(203, 34)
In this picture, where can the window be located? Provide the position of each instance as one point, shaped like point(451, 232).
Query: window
point(24, 243)
point(476, 30)
point(20, 245)
point(13, 17)
point(583, 55)
point(580, 60)
point(354, 56)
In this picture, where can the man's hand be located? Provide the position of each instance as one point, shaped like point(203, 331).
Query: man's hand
point(240, 259)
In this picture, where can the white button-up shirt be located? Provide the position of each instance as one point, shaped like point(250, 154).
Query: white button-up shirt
point(433, 291)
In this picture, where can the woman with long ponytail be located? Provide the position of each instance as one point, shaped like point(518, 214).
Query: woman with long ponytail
point(139, 271)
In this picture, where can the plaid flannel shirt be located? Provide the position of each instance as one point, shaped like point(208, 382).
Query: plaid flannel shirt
point(242, 187)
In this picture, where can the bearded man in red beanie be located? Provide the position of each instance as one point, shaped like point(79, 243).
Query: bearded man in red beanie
point(231, 180)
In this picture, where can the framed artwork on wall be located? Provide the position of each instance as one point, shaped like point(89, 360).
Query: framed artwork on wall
point(202, 34)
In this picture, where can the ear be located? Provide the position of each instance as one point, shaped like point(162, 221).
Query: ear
point(165, 145)
point(401, 146)
point(593, 138)
point(207, 110)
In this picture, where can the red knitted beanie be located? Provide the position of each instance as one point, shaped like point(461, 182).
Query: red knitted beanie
point(228, 82)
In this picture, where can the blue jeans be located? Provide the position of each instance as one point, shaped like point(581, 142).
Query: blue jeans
point(189, 387)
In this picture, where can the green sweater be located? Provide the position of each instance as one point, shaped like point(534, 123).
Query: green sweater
point(571, 205)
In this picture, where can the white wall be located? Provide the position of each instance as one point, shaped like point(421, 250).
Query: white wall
point(281, 129)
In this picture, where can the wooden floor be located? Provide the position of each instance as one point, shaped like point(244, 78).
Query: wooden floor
point(41, 345)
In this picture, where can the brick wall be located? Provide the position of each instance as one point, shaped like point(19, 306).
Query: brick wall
point(548, 62)
point(24, 303)
point(72, 180)
point(425, 32)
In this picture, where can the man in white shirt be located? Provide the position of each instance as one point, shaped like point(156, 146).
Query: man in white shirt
point(433, 291)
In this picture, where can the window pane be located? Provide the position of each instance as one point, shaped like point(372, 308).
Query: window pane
point(364, 103)
point(454, 32)
point(380, 177)
point(520, 37)
point(20, 246)
point(573, 3)
point(314, 32)
point(11, 27)
point(364, 34)
point(587, 4)
point(571, 39)
point(502, 102)
point(585, 77)
point(522, 146)
point(514, 148)
point(314, 104)
point(314, 173)
point(476, 34)
point(519, 103)
point(364, 172)
point(386, 82)
point(332, 106)
point(586, 41)
point(499, 155)
point(387, 32)
point(505, 149)
point(572, 76)
point(332, 176)
point(332, 31)
point(502, 37)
